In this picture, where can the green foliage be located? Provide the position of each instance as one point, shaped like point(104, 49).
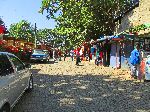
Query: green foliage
point(43, 33)
point(1, 21)
point(80, 20)
point(51, 35)
point(22, 30)
point(138, 28)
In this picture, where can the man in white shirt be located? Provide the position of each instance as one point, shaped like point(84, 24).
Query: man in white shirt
point(72, 54)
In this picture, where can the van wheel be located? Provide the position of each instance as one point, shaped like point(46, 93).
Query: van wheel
point(5, 108)
point(30, 85)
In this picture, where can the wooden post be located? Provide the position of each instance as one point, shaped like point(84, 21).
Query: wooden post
point(116, 55)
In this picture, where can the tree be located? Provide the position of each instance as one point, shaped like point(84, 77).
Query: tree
point(44, 34)
point(22, 30)
point(83, 19)
point(1, 21)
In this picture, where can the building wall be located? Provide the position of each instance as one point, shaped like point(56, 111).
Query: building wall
point(144, 11)
point(129, 20)
point(137, 16)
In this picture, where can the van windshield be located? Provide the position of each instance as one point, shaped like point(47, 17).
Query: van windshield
point(38, 52)
point(5, 66)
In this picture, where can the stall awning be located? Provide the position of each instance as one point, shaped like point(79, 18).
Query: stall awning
point(117, 37)
point(105, 38)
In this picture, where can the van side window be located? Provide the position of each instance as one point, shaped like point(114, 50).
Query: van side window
point(5, 66)
point(17, 63)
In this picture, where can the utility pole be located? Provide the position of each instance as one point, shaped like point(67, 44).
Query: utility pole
point(54, 51)
point(35, 36)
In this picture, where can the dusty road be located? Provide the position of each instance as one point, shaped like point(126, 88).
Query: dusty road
point(64, 87)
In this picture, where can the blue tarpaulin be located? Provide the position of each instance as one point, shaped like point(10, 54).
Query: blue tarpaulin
point(116, 37)
point(105, 38)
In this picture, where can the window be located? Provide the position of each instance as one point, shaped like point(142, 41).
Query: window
point(17, 63)
point(38, 52)
point(5, 66)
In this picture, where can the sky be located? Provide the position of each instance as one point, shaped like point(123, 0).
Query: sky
point(13, 11)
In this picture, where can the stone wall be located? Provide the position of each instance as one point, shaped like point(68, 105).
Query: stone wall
point(137, 16)
point(144, 11)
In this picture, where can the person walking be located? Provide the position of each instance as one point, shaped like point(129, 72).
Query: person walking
point(135, 61)
point(72, 54)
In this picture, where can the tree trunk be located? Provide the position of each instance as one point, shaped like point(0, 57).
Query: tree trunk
point(14, 41)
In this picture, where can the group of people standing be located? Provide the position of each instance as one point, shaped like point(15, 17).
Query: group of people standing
point(137, 62)
point(100, 52)
point(57, 54)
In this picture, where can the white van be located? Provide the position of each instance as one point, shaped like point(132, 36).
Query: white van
point(15, 78)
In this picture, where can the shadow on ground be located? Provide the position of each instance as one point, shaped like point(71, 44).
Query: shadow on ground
point(98, 93)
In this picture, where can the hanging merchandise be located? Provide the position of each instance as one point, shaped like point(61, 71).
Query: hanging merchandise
point(147, 68)
point(2, 29)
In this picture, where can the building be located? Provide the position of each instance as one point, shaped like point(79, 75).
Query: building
point(135, 21)
point(127, 19)
point(133, 18)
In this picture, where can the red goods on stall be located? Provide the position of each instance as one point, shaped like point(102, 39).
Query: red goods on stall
point(2, 29)
point(142, 69)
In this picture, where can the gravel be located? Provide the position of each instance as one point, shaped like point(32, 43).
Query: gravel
point(65, 87)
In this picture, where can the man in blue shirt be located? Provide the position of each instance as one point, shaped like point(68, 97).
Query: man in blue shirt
point(135, 61)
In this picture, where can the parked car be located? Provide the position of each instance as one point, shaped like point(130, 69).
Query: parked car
point(39, 55)
point(15, 79)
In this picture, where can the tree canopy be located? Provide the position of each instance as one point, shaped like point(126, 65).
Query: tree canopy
point(83, 19)
point(22, 30)
point(1, 21)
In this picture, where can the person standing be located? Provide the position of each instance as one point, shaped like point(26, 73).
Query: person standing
point(92, 52)
point(72, 54)
point(89, 54)
point(135, 61)
point(54, 54)
point(65, 55)
point(97, 54)
point(101, 52)
point(77, 57)
point(59, 53)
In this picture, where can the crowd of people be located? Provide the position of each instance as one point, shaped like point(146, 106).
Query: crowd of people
point(89, 53)
point(97, 54)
